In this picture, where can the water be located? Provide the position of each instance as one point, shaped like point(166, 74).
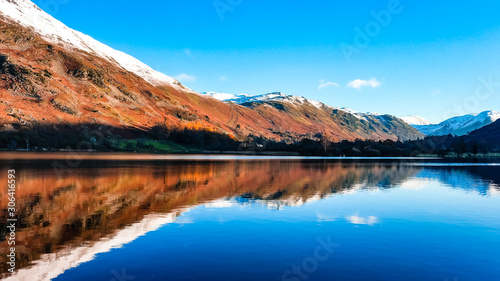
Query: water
point(231, 218)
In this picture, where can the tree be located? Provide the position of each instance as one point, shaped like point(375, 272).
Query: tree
point(325, 142)
point(459, 147)
point(474, 147)
point(26, 138)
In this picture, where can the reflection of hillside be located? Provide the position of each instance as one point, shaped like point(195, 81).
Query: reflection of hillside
point(94, 203)
point(315, 186)
point(52, 265)
point(481, 179)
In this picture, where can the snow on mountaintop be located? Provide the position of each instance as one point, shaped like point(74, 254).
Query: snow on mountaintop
point(278, 96)
point(28, 14)
point(466, 120)
point(494, 115)
point(358, 114)
point(224, 96)
point(275, 96)
point(415, 120)
point(460, 125)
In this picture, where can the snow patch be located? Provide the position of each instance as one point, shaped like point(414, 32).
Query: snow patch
point(415, 120)
point(358, 114)
point(29, 15)
point(224, 96)
point(275, 96)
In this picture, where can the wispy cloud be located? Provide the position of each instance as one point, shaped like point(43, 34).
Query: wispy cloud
point(183, 77)
point(371, 220)
point(359, 83)
point(223, 78)
point(325, 84)
point(325, 218)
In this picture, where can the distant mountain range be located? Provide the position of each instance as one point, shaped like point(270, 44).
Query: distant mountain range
point(459, 126)
point(289, 112)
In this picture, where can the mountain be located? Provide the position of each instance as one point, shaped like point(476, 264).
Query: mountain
point(489, 134)
point(52, 76)
point(288, 112)
point(29, 15)
point(224, 96)
point(415, 120)
point(460, 125)
point(57, 83)
point(275, 96)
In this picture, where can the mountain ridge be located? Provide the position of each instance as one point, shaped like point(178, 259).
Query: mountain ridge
point(458, 125)
point(279, 96)
point(364, 124)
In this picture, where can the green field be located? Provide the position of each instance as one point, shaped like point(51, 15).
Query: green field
point(145, 145)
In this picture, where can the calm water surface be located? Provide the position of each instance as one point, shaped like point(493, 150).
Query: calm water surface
point(230, 218)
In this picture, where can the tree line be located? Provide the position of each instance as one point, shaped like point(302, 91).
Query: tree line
point(104, 138)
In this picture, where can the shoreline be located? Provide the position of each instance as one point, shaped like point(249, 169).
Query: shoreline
point(65, 154)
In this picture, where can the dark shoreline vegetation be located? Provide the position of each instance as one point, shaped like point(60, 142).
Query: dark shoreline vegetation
point(101, 138)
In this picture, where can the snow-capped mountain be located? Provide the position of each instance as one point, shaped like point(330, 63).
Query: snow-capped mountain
point(314, 113)
point(275, 96)
point(415, 120)
point(279, 96)
point(224, 96)
point(460, 125)
point(29, 15)
point(360, 115)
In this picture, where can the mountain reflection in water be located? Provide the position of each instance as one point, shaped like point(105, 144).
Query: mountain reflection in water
point(66, 220)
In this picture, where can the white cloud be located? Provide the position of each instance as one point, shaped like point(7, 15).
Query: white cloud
point(325, 218)
point(415, 184)
point(371, 220)
point(183, 77)
point(188, 52)
point(223, 78)
point(323, 84)
point(359, 83)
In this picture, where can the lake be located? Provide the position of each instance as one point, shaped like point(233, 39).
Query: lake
point(117, 217)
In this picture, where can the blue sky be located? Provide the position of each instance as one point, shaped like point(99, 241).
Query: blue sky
point(435, 59)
